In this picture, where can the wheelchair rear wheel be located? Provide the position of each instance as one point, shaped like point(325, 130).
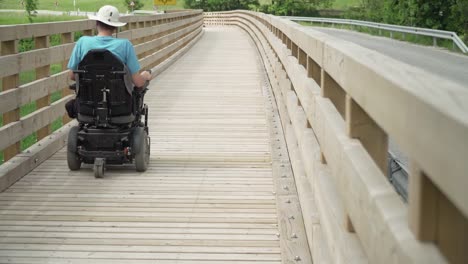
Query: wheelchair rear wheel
point(73, 160)
point(141, 148)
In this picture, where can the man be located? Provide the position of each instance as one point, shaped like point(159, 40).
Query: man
point(107, 21)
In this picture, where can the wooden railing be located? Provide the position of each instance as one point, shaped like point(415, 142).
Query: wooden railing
point(339, 103)
point(156, 38)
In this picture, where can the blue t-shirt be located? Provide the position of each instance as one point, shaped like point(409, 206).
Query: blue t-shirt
point(122, 48)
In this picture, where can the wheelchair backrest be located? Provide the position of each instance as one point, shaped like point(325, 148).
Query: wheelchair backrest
point(101, 85)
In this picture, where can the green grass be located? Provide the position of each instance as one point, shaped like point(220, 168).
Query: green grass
point(21, 18)
point(344, 4)
point(84, 5)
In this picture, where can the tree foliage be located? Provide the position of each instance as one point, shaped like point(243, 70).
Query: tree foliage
point(31, 7)
point(137, 4)
point(459, 18)
point(278, 7)
point(436, 14)
point(295, 7)
point(221, 5)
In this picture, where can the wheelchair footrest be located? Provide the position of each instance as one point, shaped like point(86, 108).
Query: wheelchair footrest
point(109, 156)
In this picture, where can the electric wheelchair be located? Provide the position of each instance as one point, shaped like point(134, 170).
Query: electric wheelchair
point(110, 114)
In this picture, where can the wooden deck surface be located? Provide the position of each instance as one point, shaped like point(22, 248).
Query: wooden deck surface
point(208, 196)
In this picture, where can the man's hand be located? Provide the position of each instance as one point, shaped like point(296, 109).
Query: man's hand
point(139, 79)
point(146, 75)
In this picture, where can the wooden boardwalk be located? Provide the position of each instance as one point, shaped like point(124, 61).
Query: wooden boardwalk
point(208, 196)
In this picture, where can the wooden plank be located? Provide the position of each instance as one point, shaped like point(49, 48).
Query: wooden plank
point(293, 237)
point(20, 165)
point(43, 57)
point(452, 231)
point(42, 72)
point(66, 38)
point(433, 218)
point(302, 58)
point(158, 42)
point(142, 255)
point(40, 57)
point(423, 203)
point(32, 122)
point(332, 91)
point(16, 32)
point(143, 249)
point(48, 260)
point(137, 225)
point(32, 91)
point(145, 62)
point(10, 83)
point(314, 71)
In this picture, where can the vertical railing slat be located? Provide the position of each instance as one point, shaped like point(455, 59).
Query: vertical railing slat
point(66, 38)
point(10, 82)
point(42, 72)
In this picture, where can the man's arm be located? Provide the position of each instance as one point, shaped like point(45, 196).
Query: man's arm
point(133, 65)
point(71, 75)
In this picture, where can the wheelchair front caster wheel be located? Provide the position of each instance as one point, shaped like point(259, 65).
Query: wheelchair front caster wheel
point(98, 168)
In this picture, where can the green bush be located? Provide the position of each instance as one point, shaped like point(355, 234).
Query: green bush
point(221, 5)
point(136, 4)
point(436, 14)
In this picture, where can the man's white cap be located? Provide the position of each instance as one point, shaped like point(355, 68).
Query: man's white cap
point(108, 15)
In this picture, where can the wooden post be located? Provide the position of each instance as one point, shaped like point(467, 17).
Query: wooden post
point(423, 196)
point(332, 90)
point(88, 32)
point(349, 224)
point(452, 231)
point(434, 218)
point(314, 71)
point(323, 160)
point(302, 58)
point(10, 82)
point(294, 50)
point(42, 72)
point(66, 38)
point(359, 125)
